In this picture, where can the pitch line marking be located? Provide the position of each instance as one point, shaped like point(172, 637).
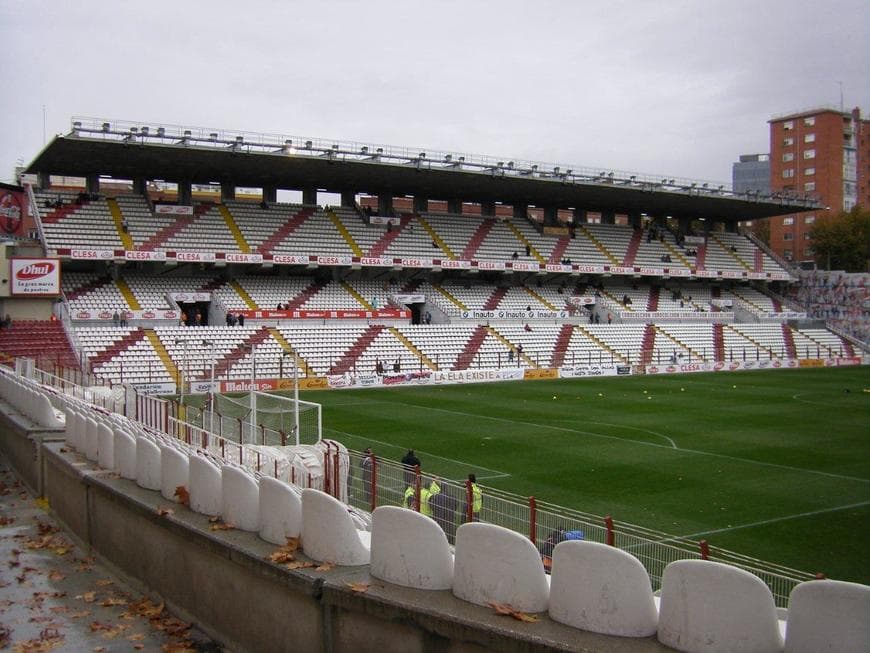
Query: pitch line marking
point(774, 520)
point(496, 473)
point(637, 428)
point(641, 442)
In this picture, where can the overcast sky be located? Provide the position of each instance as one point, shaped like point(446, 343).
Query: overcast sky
point(676, 88)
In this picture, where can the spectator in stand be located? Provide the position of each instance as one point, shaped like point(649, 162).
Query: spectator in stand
point(124, 315)
point(198, 318)
point(116, 319)
point(229, 319)
point(515, 256)
point(528, 251)
point(397, 366)
point(241, 319)
point(184, 318)
point(280, 307)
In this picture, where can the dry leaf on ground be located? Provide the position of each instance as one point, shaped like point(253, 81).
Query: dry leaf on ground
point(325, 566)
point(183, 495)
point(358, 587)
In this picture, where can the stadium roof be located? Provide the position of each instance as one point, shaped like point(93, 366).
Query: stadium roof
point(133, 150)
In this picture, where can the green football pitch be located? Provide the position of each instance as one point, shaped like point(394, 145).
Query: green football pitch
point(774, 465)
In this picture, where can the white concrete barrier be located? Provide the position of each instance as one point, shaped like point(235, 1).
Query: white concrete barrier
point(125, 454)
point(92, 439)
point(205, 486)
point(173, 471)
point(328, 532)
point(147, 463)
point(410, 549)
point(603, 589)
point(240, 502)
point(105, 446)
point(280, 510)
point(828, 615)
point(494, 564)
point(710, 607)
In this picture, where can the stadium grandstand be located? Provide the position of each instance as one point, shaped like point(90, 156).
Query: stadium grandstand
point(161, 260)
point(431, 263)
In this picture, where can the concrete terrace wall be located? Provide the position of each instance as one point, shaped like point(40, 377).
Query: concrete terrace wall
point(224, 581)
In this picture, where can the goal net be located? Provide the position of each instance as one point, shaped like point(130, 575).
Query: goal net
point(261, 418)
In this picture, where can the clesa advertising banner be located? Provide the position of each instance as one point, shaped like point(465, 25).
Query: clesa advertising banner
point(35, 277)
point(13, 209)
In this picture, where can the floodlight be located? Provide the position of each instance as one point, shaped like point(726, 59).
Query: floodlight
point(161, 132)
point(422, 155)
point(213, 136)
point(448, 157)
point(510, 165)
point(380, 150)
point(364, 149)
point(77, 124)
point(307, 145)
point(106, 126)
point(144, 131)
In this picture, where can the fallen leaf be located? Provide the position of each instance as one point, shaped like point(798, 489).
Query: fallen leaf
point(5, 521)
point(500, 608)
point(88, 597)
point(138, 647)
point(42, 503)
point(138, 637)
point(4, 636)
point(183, 495)
point(358, 587)
point(55, 575)
point(522, 616)
point(112, 600)
point(96, 626)
point(99, 649)
point(165, 512)
point(105, 581)
point(80, 614)
point(325, 566)
point(221, 526)
point(299, 564)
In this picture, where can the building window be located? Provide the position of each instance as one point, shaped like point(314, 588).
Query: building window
point(809, 172)
point(788, 156)
point(809, 138)
point(786, 254)
point(787, 142)
point(787, 221)
point(808, 251)
point(810, 185)
point(809, 154)
point(809, 219)
point(809, 122)
point(788, 124)
point(807, 236)
point(788, 173)
point(788, 236)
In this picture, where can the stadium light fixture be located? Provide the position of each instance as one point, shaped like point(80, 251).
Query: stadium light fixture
point(144, 131)
point(106, 126)
point(161, 132)
point(510, 165)
point(308, 145)
point(213, 136)
point(448, 158)
point(364, 149)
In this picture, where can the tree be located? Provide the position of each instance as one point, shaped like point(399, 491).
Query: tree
point(843, 242)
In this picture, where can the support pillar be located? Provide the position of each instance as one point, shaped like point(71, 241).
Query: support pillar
point(487, 209)
point(608, 217)
point(454, 206)
point(139, 185)
point(348, 199)
point(185, 194)
point(421, 204)
point(43, 180)
point(385, 204)
point(551, 216)
point(92, 183)
point(730, 226)
point(661, 221)
point(685, 224)
point(309, 196)
point(228, 191)
point(270, 194)
point(634, 220)
point(580, 216)
point(521, 211)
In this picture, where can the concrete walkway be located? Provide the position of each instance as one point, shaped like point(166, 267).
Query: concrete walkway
point(54, 596)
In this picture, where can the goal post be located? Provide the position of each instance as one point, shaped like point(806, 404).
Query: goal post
point(263, 418)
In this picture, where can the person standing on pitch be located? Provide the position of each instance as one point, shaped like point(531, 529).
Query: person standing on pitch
point(367, 465)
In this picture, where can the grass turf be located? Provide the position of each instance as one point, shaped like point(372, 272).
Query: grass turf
point(770, 464)
point(774, 465)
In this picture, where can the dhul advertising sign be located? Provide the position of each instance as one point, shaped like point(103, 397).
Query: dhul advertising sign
point(35, 277)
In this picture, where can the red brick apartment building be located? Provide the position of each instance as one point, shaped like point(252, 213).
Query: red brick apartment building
point(824, 153)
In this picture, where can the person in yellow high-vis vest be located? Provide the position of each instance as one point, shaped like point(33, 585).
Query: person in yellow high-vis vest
point(426, 493)
point(476, 500)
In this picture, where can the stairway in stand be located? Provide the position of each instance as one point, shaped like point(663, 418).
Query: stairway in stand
point(788, 339)
point(347, 362)
point(494, 299)
point(701, 256)
point(296, 303)
point(652, 304)
point(648, 344)
point(291, 225)
point(116, 348)
point(39, 339)
point(561, 347)
point(223, 366)
point(477, 239)
point(463, 361)
point(719, 343)
point(558, 250)
point(377, 250)
point(633, 246)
